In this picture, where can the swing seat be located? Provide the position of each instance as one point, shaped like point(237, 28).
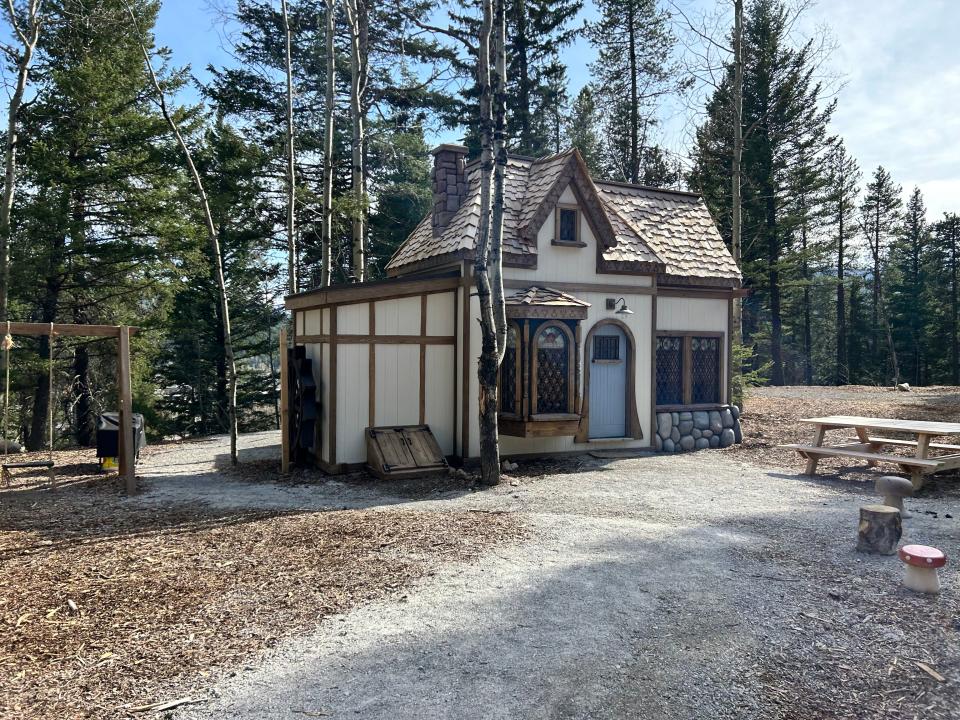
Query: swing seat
point(5, 469)
point(30, 464)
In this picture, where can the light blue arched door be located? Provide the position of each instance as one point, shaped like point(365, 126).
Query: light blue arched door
point(607, 363)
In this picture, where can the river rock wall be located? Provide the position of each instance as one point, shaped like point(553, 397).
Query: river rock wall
point(697, 429)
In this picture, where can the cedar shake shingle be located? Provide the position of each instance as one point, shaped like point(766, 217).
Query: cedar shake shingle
point(653, 230)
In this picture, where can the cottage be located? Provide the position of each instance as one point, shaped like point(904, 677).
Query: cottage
point(619, 301)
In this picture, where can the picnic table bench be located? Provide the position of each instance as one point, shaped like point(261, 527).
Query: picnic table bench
point(868, 446)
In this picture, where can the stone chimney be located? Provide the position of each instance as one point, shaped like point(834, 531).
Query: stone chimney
point(449, 184)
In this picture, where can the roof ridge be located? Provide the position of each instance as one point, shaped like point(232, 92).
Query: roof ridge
point(649, 188)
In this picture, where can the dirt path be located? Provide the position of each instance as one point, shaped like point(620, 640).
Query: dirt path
point(660, 587)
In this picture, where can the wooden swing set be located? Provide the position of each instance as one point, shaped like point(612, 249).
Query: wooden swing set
point(126, 449)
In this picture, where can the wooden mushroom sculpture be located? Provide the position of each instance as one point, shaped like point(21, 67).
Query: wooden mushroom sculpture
point(894, 489)
point(921, 563)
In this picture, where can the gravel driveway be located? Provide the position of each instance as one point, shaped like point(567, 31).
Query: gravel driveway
point(688, 586)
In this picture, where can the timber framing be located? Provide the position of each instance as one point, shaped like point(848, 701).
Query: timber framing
point(387, 289)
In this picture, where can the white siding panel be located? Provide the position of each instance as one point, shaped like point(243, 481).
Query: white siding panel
point(458, 418)
point(353, 319)
point(299, 323)
point(352, 404)
point(398, 317)
point(440, 314)
point(691, 314)
point(398, 384)
point(311, 322)
point(473, 390)
point(325, 321)
point(439, 374)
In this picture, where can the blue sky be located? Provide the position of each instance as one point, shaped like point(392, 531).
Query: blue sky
point(899, 104)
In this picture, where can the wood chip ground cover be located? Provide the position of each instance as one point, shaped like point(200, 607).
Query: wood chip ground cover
point(103, 608)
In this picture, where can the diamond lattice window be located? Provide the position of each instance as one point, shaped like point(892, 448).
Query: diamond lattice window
point(553, 366)
point(508, 373)
point(669, 370)
point(705, 369)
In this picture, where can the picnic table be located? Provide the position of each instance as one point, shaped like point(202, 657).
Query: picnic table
point(869, 446)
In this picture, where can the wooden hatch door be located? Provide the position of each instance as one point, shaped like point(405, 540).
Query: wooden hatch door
point(403, 451)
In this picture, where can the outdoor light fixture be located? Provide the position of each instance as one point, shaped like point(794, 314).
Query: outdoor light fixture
point(622, 310)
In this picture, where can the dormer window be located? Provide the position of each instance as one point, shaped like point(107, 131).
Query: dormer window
point(567, 231)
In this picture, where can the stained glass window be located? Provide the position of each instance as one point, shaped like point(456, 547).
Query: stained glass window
point(705, 369)
point(553, 364)
point(508, 373)
point(568, 226)
point(669, 370)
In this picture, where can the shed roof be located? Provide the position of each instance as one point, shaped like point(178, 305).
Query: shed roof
point(639, 228)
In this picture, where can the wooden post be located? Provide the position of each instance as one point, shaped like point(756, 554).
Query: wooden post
point(812, 460)
point(126, 447)
point(284, 406)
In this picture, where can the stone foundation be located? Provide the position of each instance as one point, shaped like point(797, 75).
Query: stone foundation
point(697, 429)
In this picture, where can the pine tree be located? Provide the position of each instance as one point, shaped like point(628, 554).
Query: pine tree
point(785, 129)
point(582, 130)
point(946, 271)
point(103, 220)
point(193, 365)
point(632, 74)
point(880, 217)
point(402, 178)
point(908, 288)
point(842, 191)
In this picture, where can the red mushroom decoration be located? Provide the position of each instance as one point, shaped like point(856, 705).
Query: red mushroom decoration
point(921, 563)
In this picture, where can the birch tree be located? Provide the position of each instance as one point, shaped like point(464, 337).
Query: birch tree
point(291, 157)
point(26, 27)
point(212, 238)
point(357, 20)
point(488, 265)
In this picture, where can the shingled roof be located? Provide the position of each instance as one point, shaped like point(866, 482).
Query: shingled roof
point(639, 229)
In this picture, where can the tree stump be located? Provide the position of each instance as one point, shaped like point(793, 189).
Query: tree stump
point(880, 529)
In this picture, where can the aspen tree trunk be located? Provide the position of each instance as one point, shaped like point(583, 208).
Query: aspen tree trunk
point(357, 19)
point(291, 158)
point(327, 239)
point(736, 195)
point(27, 36)
point(488, 260)
point(214, 245)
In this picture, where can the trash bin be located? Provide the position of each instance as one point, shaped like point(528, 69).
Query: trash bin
point(108, 435)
